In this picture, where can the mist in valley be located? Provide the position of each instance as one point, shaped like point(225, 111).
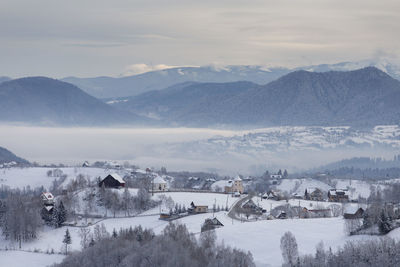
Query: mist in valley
point(186, 149)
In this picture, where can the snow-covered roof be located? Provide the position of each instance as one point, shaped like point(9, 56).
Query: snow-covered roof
point(159, 180)
point(48, 208)
point(117, 177)
point(48, 195)
point(312, 189)
point(333, 192)
point(238, 178)
point(351, 209)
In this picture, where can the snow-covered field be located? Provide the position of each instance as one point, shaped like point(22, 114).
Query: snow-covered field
point(262, 238)
point(37, 176)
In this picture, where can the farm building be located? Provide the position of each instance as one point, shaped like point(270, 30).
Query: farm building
point(211, 224)
point(112, 181)
point(352, 212)
point(313, 193)
point(338, 195)
point(197, 209)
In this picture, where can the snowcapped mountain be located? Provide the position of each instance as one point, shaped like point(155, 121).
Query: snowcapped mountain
point(109, 87)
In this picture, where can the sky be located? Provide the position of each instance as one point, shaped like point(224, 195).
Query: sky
point(89, 38)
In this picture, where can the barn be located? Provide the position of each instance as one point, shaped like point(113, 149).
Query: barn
point(112, 181)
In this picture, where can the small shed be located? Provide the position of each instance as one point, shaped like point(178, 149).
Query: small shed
point(211, 224)
point(352, 212)
point(112, 181)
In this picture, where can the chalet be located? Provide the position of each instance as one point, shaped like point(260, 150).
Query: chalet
point(281, 215)
point(112, 181)
point(165, 216)
point(338, 195)
point(249, 204)
point(315, 213)
point(276, 176)
point(197, 209)
point(273, 194)
point(211, 224)
point(297, 196)
point(313, 193)
point(159, 184)
point(47, 198)
point(352, 212)
point(234, 186)
point(86, 164)
point(251, 207)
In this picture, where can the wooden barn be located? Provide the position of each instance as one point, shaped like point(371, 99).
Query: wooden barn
point(197, 209)
point(353, 213)
point(211, 224)
point(112, 181)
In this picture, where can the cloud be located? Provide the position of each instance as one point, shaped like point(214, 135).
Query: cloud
point(140, 68)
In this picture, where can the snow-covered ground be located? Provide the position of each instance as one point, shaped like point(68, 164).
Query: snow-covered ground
point(356, 187)
point(262, 238)
point(37, 176)
point(23, 259)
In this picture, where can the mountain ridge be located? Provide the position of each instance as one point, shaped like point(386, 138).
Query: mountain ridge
point(362, 97)
point(46, 101)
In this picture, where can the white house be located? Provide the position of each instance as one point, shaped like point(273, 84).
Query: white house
point(159, 184)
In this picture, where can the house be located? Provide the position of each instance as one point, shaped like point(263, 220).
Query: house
point(86, 164)
point(353, 212)
point(273, 194)
point(165, 216)
point(251, 207)
point(48, 206)
point(297, 196)
point(112, 181)
point(315, 213)
point(281, 215)
point(47, 198)
point(211, 224)
point(234, 186)
point(338, 195)
point(276, 176)
point(159, 184)
point(197, 209)
point(249, 204)
point(313, 193)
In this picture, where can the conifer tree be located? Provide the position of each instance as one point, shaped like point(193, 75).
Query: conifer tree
point(67, 241)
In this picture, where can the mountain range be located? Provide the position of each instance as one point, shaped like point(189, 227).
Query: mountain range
point(362, 97)
point(109, 87)
point(45, 101)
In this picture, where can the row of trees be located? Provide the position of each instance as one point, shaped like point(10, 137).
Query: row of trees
point(174, 247)
point(374, 253)
point(20, 214)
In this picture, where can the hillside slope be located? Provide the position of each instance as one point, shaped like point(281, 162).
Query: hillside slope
point(45, 101)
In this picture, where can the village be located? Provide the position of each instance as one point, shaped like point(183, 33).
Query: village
point(113, 197)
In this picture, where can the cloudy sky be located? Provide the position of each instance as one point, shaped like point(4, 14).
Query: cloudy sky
point(101, 37)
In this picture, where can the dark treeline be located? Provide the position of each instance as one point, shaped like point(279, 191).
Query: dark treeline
point(175, 246)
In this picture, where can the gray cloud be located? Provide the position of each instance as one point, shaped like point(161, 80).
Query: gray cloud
point(99, 37)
